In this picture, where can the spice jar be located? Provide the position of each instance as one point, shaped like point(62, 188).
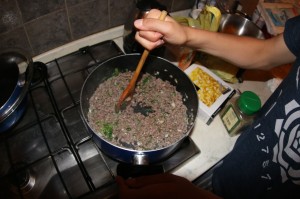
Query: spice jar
point(240, 111)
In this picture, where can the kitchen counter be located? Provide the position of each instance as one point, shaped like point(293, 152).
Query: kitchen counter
point(213, 141)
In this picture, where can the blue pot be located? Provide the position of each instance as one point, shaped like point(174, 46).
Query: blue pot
point(16, 71)
point(154, 65)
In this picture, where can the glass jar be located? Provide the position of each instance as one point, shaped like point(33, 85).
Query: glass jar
point(240, 111)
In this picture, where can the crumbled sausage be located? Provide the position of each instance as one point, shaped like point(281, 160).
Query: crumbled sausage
point(155, 118)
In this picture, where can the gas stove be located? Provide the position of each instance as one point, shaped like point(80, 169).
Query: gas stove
point(49, 153)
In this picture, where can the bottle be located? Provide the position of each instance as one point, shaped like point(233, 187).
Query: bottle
point(240, 111)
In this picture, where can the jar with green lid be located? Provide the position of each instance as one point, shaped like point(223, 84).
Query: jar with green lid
point(240, 111)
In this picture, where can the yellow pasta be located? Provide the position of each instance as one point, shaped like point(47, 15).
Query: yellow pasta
point(209, 90)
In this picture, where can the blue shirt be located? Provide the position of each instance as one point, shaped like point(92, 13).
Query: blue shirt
point(265, 161)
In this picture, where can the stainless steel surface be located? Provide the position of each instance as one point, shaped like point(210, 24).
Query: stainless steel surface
point(50, 153)
point(140, 159)
point(238, 25)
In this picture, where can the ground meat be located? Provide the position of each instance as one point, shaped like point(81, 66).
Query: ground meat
point(155, 118)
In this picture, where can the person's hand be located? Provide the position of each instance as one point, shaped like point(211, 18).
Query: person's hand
point(152, 32)
point(160, 186)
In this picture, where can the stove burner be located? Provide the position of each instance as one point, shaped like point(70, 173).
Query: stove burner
point(186, 150)
point(25, 181)
point(51, 152)
point(40, 73)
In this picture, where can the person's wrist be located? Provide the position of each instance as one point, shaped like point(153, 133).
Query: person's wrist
point(187, 38)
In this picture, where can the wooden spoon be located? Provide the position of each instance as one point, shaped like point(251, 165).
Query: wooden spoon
point(131, 86)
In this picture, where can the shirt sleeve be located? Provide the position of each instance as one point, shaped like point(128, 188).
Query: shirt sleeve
point(292, 35)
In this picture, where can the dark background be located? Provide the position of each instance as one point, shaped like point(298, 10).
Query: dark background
point(41, 25)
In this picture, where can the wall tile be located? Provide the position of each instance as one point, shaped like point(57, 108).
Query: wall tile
point(88, 18)
point(74, 2)
point(182, 5)
point(41, 25)
point(32, 9)
point(120, 11)
point(9, 15)
point(48, 32)
point(15, 38)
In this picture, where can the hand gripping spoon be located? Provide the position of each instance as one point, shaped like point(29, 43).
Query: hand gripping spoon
point(131, 86)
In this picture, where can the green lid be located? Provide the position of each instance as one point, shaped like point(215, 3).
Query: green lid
point(249, 103)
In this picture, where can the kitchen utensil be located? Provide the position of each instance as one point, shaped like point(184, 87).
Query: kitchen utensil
point(16, 69)
point(131, 86)
point(155, 66)
point(239, 25)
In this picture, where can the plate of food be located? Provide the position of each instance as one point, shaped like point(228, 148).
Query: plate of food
point(212, 91)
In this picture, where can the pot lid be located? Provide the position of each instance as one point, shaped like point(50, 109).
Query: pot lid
point(16, 73)
point(9, 73)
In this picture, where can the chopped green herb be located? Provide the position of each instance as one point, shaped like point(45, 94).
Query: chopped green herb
point(107, 130)
point(116, 72)
point(146, 80)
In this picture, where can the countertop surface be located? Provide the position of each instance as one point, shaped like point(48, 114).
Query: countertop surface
point(212, 140)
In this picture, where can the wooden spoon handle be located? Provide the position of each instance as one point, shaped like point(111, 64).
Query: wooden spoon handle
point(139, 68)
point(130, 88)
point(144, 55)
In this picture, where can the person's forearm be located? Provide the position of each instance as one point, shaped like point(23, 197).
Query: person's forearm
point(245, 52)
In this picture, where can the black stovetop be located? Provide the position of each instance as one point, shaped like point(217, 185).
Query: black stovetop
point(49, 153)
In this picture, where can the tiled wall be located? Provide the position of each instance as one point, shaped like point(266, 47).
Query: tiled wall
point(41, 25)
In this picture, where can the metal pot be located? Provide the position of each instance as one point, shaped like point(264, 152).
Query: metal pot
point(156, 66)
point(16, 71)
point(239, 25)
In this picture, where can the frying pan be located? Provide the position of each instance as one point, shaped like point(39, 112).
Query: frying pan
point(156, 66)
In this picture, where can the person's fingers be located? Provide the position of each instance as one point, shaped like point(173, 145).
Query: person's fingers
point(148, 44)
point(152, 179)
point(154, 25)
point(150, 35)
point(138, 192)
point(153, 32)
point(151, 27)
point(160, 186)
point(154, 13)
